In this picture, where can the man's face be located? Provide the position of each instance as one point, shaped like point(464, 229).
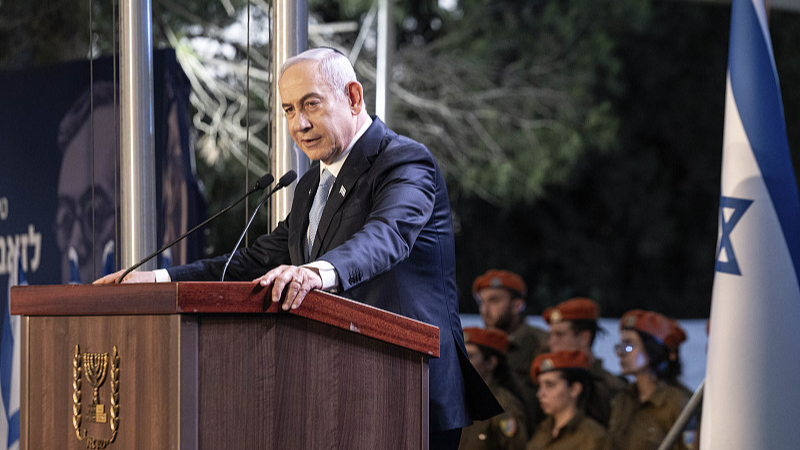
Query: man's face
point(497, 307)
point(563, 338)
point(74, 216)
point(321, 123)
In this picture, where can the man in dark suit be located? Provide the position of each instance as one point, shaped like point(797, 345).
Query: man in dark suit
point(377, 229)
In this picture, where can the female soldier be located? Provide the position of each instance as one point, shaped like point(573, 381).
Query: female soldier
point(642, 413)
point(487, 349)
point(565, 383)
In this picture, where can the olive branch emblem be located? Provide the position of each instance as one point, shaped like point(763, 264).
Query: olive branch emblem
point(96, 365)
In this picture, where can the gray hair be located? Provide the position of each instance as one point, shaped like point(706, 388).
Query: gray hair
point(333, 67)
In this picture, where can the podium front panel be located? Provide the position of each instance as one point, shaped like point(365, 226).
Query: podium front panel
point(62, 351)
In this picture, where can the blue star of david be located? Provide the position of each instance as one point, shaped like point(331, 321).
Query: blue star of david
point(739, 206)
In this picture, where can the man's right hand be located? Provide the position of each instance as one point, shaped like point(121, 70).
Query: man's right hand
point(133, 277)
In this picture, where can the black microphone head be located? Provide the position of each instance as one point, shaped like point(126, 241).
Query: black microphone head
point(287, 178)
point(263, 182)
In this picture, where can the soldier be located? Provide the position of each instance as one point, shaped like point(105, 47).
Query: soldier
point(487, 350)
point(643, 412)
point(501, 296)
point(573, 326)
point(565, 381)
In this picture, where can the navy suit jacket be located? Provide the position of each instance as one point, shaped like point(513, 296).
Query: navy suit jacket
point(387, 230)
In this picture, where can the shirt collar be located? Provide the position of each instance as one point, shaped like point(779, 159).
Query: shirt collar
point(660, 396)
point(336, 166)
point(568, 428)
point(573, 423)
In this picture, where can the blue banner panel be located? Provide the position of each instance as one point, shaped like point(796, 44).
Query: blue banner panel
point(59, 159)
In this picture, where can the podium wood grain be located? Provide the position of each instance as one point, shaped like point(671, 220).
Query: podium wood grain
point(214, 366)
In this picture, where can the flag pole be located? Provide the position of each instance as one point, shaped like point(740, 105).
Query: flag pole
point(695, 402)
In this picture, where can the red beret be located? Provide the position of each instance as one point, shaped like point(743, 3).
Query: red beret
point(657, 325)
point(487, 337)
point(572, 309)
point(573, 359)
point(500, 279)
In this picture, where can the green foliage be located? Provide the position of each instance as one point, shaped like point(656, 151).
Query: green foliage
point(537, 91)
point(33, 34)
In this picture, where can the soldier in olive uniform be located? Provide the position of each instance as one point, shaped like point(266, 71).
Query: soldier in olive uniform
point(643, 413)
point(564, 380)
point(487, 352)
point(501, 297)
point(573, 326)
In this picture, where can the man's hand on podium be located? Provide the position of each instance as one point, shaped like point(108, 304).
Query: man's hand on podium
point(133, 277)
point(300, 281)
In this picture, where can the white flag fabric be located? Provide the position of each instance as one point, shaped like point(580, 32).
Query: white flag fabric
point(752, 393)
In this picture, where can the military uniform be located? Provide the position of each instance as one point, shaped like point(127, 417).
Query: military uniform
point(642, 426)
point(508, 431)
point(527, 342)
point(606, 387)
point(580, 433)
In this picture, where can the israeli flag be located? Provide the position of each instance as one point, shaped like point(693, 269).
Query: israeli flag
point(752, 392)
point(9, 362)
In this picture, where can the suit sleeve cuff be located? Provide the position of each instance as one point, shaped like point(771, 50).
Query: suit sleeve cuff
point(162, 276)
point(326, 271)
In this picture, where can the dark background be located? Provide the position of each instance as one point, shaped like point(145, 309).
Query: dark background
point(618, 202)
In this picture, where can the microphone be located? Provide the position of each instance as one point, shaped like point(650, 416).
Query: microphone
point(261, 184)
point(285, 180)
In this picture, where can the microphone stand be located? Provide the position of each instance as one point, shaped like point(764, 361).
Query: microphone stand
point(262, 183)
point(284, 181)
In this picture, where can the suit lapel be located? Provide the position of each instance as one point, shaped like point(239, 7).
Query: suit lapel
point(358, 161)
point(301, 206)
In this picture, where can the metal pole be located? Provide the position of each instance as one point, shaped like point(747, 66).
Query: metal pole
point(680, 423)
point(137, 154)
point(383, 75)
point(289, 37)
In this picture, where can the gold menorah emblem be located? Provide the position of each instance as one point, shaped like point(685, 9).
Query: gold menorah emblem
point(95, 366)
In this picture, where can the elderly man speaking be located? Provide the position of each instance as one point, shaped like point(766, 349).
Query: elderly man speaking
point(370, 222)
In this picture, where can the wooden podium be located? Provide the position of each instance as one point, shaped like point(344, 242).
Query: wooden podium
point(217, 366)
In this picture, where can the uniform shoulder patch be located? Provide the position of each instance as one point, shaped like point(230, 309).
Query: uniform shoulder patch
point(508, 427)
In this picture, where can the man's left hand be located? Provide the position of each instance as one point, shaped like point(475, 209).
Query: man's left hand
point(297, 281)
